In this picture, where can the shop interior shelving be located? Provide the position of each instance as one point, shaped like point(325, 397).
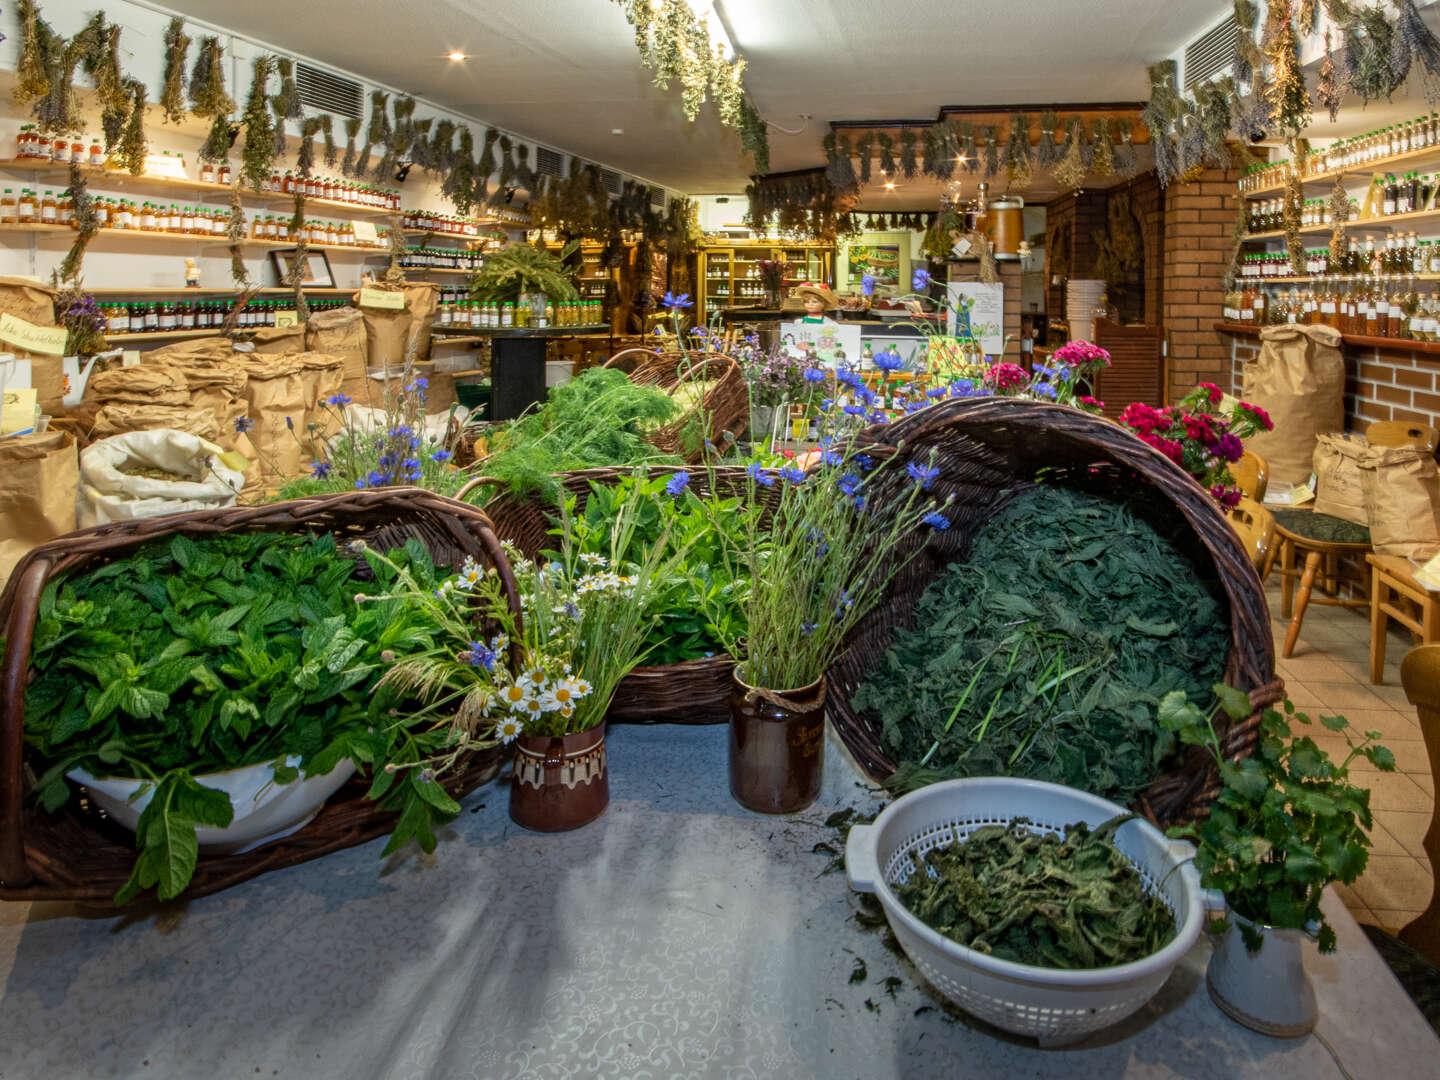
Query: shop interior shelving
point(189, 239)
point(1421, 160)
point(730, 274)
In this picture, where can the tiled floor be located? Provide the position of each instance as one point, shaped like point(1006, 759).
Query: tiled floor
point(1330, 671)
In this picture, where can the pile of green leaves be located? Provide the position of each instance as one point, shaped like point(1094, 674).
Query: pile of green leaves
point(190, 657)
point(699, 606)
point(598, 418)
point(1037, 899)
point(1047, 653)
point(1287, 821)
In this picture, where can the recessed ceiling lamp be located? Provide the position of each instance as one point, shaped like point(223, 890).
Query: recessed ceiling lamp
point(890, 186)
point(457, 55)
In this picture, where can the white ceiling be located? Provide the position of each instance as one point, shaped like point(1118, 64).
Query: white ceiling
point(566, 72)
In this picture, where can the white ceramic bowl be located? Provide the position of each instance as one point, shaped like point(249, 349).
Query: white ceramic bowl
point(264, 810)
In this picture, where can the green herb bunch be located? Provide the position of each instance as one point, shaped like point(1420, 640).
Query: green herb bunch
point(190, 657)
point(523, 268)
point(1287, 821)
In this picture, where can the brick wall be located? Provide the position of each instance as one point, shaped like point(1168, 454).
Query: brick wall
point(1198, 217)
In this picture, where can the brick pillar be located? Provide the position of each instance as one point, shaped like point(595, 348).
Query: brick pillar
point(1198, 219)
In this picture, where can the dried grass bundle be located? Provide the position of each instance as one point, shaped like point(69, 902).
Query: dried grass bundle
point(177, 49)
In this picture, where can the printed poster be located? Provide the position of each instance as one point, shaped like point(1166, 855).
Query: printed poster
point(824, 344)
point(880, 260)
point(978, 311)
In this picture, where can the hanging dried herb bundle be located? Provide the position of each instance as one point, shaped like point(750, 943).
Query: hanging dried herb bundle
point(754, 136)
point(991, 134)
point(507, 175)
point(887, 156)
point(378, 131)
point(40, 49)
point(1327, 93)
point(863, 147)
point(1368, 32)
point(401, 136)
point(352, 131)
point(1414, 41)
point(101, 61)
point(1250, 113)
point(295, 269)
point(1289, 100)
point(909, 166)
point(1018, 156)
point(172, 93)
point(1122, 139)
point(1309, 16)
point(131, 147)
point(1212, 115)
point(1029, 898)
point(218, 141)
point(1070, 173)
point(242, 300)
point(487, 165)
point(1239, 230)
point(258, 155)
point(1158, 116)
point(1102, 150)
point(235, 233)
point(286, 103)
point(418, 141)
point(1339, 215)
point(207, 81)
point(86, 224)
point(1047, 152)
point(1247, 52)
point(58, 108)
point(1294, 202)
point(332, 151)
point(965, 133)
point(441, 154)
point(460, 179)
point(309, 128)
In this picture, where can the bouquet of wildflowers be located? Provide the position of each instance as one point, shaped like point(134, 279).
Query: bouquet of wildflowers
point(1202, 443)
point(775, 377)
point(77, 311)
point(773, 273)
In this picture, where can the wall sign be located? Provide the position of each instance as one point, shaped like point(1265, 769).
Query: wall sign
point(978, 311)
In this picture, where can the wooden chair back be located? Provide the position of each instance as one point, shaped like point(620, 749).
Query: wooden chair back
point(1256, 528)
point(1420, 675)
point(1401, 433)
point(1252, 475)
point(1137, 366)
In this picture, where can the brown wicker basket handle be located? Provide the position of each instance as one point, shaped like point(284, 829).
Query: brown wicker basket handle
point(18, 636)
point(473, 483)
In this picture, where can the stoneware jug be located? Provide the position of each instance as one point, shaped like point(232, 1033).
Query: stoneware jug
point(1267, 991)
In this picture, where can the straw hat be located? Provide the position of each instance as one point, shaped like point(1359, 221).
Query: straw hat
point(823, 293)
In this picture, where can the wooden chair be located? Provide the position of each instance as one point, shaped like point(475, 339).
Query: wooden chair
point(1252, 475)
point(1137, 366)
point(1324, 539)
point(1256, 527)
point(1420, 675)
point(1400, 433)
point(1421, 615)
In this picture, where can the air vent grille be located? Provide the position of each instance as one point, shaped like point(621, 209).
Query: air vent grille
point(611, 181)
point(320, 90)
point(657, 198)
point(1212, 53)
point(548, 162)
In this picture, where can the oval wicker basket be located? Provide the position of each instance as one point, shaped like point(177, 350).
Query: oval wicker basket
point(988, 449)
point(76, 854)
point(690, 692)
point(724, 408)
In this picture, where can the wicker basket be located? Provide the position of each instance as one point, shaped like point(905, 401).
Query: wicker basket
point(690, 692)
point(725, 407)
point(76, 854)
point(987, 449)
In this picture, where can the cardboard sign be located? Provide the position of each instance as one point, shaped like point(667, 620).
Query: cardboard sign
point(287, 318)
point(977, 311)
point(17, 410)
point(823, 344)
point(49, 340)
point(379, 298)
point(166, 166)
point(1302, 494)
point(365, 232)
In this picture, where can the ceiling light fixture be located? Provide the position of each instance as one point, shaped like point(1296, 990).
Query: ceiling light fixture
point(458, 55)
point(705, 11)
point(890, 186)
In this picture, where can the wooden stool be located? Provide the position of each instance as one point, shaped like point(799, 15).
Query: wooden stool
point(1391, 572)
point(1323, 538)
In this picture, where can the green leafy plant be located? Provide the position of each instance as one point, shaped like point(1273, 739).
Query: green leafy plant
point(523, 268)
point(1287, 821)
point(189, 657)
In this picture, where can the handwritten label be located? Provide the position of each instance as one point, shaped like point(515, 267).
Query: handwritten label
point(380, 298)
point(287, 318)
point(17, 410)
point(365, 232)
point(1302, 494)
point(130, 358)
point(49, 340)
point(165, 165)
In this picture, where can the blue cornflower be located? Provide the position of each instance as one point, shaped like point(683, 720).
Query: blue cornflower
point(675, 303)
point(480, 655)
point(860, 504)
point(759, 475)
point(924, 475)
point(849, 484)
point(808, 628)
point(827, 441)
point(386, 461)
point(962, 388)
point(813, 374)
point(854, 410)
point(878, 416)
point(867, 285)
point(830, 457)
point(289, 423)
point(677, 483)
point(441, 455)
point(864, 462)
point(867, 396)
point(320, 470)
point(850, 378)
point(376, 479)
point(937, 521)
point(338, 400)
point(401, 432)
point(792, 475)
point(414, 442)
point(413, 464)
point(244, 424)
point(360, 484)
point(1044, 390)
point(419, 382)
point(888, 361)
point(827, 404)
point(700, 331)
point(844, 604)
point(920, 280)
point(913, 407)
point(935, 392)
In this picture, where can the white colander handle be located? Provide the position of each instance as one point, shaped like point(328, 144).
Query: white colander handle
point(862, 864)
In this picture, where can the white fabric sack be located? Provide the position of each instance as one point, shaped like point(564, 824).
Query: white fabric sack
point(106, 494)
point(365, 420)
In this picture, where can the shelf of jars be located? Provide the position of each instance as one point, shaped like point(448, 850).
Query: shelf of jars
point(1376, 224)
point(1330, 279)
point(1416, 142)
point(181, 291)
point(191, 239)
point(1430, 347)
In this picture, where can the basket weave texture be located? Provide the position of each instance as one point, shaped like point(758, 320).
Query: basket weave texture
point(989, 449)
point(691, 692)
point(724, 408)
point(76, 854)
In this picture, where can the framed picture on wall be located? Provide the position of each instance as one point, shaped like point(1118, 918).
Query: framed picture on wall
point(880, 260)
point(317, 268)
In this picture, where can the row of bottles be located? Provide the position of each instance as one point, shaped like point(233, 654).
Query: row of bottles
point(168, 316)
point(1268, 215)
point(1403, 138)
point(1371, 308)
point(428, 258)
point(1398, 254)
point(333, 233)
point(34, 144)
point(455, 312)
point(329, 188)
point(1410, 193)
point(449, 224)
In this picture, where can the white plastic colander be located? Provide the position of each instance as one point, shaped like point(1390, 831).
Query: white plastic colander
point(1055, 1006)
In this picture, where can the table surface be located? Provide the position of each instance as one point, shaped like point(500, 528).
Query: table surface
point(677, 936)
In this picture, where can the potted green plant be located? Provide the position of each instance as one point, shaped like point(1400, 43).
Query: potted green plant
point(1287, 823)
point(523, 271)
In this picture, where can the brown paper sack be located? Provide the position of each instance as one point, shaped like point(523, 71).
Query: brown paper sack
point(322, 376)
point(38, 478)
point(275, 391)
point(389, 334)
point(35, 303)
point(339, 332)
point(146, 384)
point(119, 418)
point(1299, 379)
point(1339, 483)
point(1402, 496)
point(279, 339)
point(216, 383)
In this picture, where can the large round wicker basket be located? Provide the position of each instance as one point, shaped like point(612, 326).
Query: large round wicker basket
point(76, 854)
point(989, 449)
point(725, 406)
point(690, 692)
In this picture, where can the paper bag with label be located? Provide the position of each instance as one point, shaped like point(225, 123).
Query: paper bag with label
point(31, 307)
point(38, 478)
point(1402, 497)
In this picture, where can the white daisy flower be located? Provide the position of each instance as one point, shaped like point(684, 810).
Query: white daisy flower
point(507, 727)
point(531, 706)
point(512, 695)
point(580, 688)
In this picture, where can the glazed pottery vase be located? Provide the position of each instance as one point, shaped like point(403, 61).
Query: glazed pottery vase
point(560, 782)
point(1267, 991)
point(777, 746)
